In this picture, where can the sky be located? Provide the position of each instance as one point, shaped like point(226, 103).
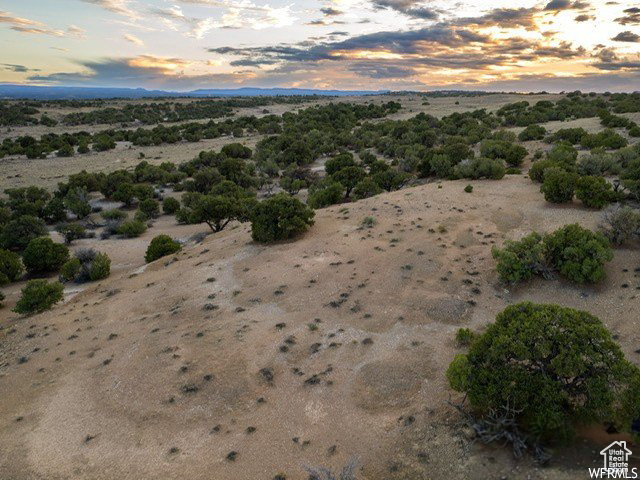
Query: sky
point(502, 45)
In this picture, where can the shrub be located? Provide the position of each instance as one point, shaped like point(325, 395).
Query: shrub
point(17, 233)
point(337, 163)
point(563, 155)
point(558, 185)
point(509, 152)
point(536, 172)
point(532, 132)
point(390, 180)
point(441, 166)
point(464, 337)
point(468, 188)
point(324, 194)
point(10, 267)
point(279, 218)
point(70, 270)
point(71, 232)
point(42, 255)
point(150, 207)
point(620, 224)
point(349, 177)
point(480, 168)
point(100, 267)
point(520, 260)
point(113, 214)
point(38, 296)
point(77, 201)
point(170, 205)
point(366, 188)
point(2, 297)
point(161, 246)
point(554, 367)
point(132, 228)
point(594, 192)
point(577, 253)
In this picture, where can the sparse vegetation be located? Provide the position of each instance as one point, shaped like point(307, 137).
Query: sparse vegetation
point(161, 246)
point(38, 296)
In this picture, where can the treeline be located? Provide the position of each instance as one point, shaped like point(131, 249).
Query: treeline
point(334, 116)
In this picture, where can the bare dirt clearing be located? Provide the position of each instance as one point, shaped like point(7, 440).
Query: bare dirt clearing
point(303, 353)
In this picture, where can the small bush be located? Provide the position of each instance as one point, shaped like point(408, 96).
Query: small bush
point(520, 261)
point(113, 214)
point(620, 224)
point(38, 296)
point(480, 168)
point(100, 267)
point(150, 207)
point(464, 337)
point(70, 270)
point(10, 267)
point(279, 218)
point(532, 132)
point(132, 228)
point(71, 232)
point(161, 246)
point(558, 185)
point(368, 222)
point(366, 188)
point(554, 367)
point(325, 194)
point(468, 188)
point(577, 253)
point(42, 255)
point(170, 205)
point(594, 192)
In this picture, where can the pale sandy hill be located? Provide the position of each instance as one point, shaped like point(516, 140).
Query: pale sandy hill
point(310, 352)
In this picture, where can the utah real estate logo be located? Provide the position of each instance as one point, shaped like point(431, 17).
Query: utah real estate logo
point(616, 462)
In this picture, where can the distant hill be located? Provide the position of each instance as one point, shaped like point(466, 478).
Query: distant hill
point(9, 91)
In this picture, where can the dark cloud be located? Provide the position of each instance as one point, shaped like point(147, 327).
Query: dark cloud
point(331, 12)
point(18, 68)
point(503, 17)
point(584, 18)
point(632, 17)
point(627, 36)
point(559, 5)
point(379, 70)
point(411, 8)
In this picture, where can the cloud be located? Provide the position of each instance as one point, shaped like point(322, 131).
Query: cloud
point(504, 18)
point(584, 18)
point(133, 39)
point(120, 7)
point(411, 8)
point(331, 12)
point(559, 5)
point(627, 36)
point(33, 27)
point(6, 17)
point(632, 17)
point(18, 68)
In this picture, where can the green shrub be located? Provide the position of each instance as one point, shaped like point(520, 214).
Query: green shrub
point(38, 296)
point(554, 368)
point(279, 218)
point(2, 297)
point(170, 205)
point(468, 188)
point(520, 260)
point(132, 228)
point(324, 194)
point(464, 337)
point(113, 214)
point(366, 188)
point(42, 255)
point(594, 192)
point(17, 233)
point(150, 207)
point(100, 267)
point(10, 267)
point(70, 270)
point(441, 166)
point(511, 153)
point(558, 185)
point(337, 163)
point(480, 168)
point(536, 172)
point(349, 177)
point(577, 253)
point(161, 246)
point(77, 201)
point(71, 232)
point(532, 132)
point(391, 180)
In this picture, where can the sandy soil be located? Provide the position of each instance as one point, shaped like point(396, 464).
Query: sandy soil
point(305, 353)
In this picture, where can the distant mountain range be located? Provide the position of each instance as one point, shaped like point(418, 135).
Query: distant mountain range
point(9, 91)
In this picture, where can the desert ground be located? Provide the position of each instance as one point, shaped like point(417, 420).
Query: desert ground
point(234, 360)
